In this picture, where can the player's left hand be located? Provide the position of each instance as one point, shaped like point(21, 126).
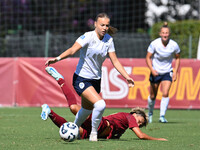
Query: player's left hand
point(174, 77)
point(162, 139)
point(130, 82)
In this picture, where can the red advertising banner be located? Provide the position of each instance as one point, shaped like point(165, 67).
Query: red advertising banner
point(24, 82)
point(7, 81)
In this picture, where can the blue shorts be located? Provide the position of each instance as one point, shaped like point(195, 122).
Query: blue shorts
point(80, 84)
point(159, 78)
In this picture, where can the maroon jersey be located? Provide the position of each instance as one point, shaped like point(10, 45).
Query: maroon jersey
point(119, 122)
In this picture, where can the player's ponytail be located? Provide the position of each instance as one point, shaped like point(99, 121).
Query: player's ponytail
point(112, 30)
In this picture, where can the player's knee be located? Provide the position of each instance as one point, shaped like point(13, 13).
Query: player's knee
point(74, 108)
point(152, 98)
point(165, 94)
point(100, 105)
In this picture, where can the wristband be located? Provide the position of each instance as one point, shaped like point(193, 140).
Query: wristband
point(58, 58)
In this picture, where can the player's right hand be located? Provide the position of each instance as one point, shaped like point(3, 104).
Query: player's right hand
point(154, 73)
point(50, 61)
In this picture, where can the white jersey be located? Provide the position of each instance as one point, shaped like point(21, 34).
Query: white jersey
point(163, 56)
point(92, 54)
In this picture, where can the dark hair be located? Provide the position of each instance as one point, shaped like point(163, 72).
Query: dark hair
point(112, 30)
point(141, 112)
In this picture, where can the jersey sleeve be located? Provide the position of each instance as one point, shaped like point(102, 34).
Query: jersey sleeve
point(151, 48)
point(83, 40)
point(111, 47)
point(132, 122)
point(177, 49)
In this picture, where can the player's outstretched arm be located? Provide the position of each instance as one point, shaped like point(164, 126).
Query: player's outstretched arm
point(144, 136)
point(69, 52)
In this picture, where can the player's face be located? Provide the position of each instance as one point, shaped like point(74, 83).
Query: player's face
point(102, 26)
point(164, 34)
point(140, 120)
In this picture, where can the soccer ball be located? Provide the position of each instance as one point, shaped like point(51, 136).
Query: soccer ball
point(69, 131)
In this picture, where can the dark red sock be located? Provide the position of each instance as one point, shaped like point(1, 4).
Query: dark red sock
point(57, 120)
point(71, 99)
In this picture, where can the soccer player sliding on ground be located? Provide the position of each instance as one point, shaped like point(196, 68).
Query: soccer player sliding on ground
point(111, 126)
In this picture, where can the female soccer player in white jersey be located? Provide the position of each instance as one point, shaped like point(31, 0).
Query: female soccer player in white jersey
point(94, 47)
point(160, 54)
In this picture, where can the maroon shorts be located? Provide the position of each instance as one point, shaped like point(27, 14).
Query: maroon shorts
point(87, 127)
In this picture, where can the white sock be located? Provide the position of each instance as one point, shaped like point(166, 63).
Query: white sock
point(151, 104)
point(163, 105)
point(97, 113)
point(81, 116)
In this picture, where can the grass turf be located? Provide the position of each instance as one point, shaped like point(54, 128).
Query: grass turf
point(22, 128)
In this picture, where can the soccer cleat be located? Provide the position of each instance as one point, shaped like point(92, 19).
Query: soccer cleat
point(93, 137)
point(150, 118)
point(162, 119)
point(45, 111)
point(54, 73)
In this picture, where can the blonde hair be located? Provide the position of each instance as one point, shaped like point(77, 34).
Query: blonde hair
point(165, 25)
point(140, 111)
point(112, 30)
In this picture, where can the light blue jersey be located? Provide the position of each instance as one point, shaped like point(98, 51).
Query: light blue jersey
point(163, 56)
point(92, 54)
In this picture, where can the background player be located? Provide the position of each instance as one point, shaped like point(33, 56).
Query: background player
point(160, 54)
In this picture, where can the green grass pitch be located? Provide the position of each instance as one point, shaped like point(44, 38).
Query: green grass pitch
point(23, 129)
